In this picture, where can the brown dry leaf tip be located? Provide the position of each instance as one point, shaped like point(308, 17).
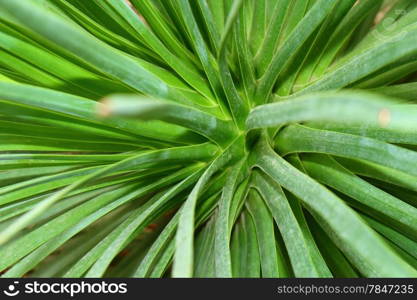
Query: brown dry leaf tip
point(136, 12)
point(384, 117)
point(381, 14)
point(379, 17)
point(151, 227)
point(104, 108)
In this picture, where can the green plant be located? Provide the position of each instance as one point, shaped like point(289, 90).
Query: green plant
point(270, 138)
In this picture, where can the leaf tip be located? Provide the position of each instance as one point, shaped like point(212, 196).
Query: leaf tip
point(384, 117)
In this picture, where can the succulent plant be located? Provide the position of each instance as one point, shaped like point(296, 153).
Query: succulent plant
point(208, 138)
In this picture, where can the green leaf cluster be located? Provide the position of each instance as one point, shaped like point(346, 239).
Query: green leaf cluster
point(208, 138)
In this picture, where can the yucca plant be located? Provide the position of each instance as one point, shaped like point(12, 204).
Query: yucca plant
point(208, 138)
